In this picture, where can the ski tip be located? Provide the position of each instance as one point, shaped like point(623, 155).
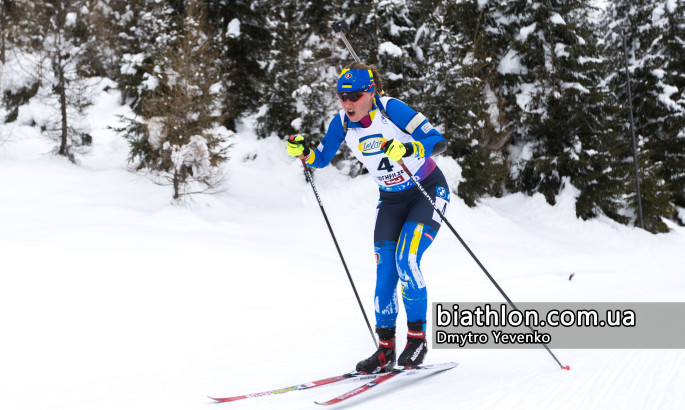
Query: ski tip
point(323, 404)
point(567, 367)
point(224, 399)
point(446, 366)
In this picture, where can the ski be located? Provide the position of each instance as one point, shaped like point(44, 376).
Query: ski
point(305, 386)
point(431, 368)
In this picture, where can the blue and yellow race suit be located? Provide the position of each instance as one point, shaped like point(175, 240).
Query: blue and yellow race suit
point(406, 223)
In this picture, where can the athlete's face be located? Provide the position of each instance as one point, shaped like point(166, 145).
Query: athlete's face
point(356, 110)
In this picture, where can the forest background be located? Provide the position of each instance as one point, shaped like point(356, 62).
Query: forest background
point(531, 95)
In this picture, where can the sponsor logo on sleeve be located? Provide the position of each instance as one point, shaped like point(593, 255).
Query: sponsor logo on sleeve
point(426, 127)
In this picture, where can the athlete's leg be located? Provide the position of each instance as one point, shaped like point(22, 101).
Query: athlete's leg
point(417, 234)
point(389, 218)
point(391, 214)
point(415, 238)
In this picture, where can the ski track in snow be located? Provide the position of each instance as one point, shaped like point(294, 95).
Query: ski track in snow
point(114, 298)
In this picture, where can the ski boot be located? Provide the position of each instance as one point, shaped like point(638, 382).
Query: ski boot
point(416, 348)
point(383, 360)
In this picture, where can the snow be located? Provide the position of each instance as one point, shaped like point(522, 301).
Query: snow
point(658, 13)
point(194, 154)
point(665, 96)
point(511, 63)
point(116, 298)
point(390, 49)
point(151, 82)
point(525, 32)
point(601, 4)
point(491, 98)
point(671, 6)
point(525, 95)
point(394, 29)
point(575, 85)
point(15, 74)
point(70, 19)
point(658, 73)
point(296, 124)
point(393, 76)
point(560, 50)
point(131, 62)
point(557, 19)
point(585, 60)
point(233, 30)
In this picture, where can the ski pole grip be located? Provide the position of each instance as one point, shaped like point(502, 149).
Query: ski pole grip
point(291, 140)
point(340, 25)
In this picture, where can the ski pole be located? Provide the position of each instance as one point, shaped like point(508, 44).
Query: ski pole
point(454, 231)
point(341, 27)
point(318, 199)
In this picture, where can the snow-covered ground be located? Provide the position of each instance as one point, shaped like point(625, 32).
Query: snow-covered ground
point(112, 297)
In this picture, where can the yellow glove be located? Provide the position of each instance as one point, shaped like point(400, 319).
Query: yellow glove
point(394, 150)
point(296, 146)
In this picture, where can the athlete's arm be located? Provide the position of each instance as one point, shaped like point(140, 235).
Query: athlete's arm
point(417, 126)
point(328, 147)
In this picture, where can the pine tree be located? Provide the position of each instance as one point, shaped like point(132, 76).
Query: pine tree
point(7, 12)
point(177, 139)
point(320, 64)
point(139, 26)
point(594, 157)
point(541, 37)
point(56, 34)
point(399, 55)
point(13, 94)
point(364, 34)
point(299, 96)
point(386, 35)
point(672, 98)
point(456, 87)
point(284, 70)
point(117, 34)
point(601, 174)
point(244, 38)
point(660, 149)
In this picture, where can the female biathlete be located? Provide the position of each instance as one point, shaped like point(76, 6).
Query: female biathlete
point(380, 131)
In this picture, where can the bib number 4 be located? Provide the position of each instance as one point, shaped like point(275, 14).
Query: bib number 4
point(385, 165)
